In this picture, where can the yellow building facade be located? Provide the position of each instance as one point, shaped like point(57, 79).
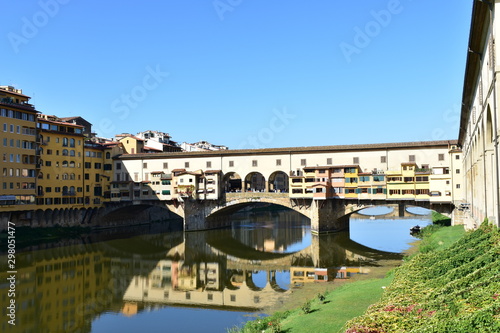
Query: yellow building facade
point(74, 173)
point(60, 180)
point(409, 182)
point(18, 142)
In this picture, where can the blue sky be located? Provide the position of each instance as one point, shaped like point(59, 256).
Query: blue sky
point(243, 73)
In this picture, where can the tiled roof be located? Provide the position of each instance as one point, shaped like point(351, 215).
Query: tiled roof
point(60, 122)
point(212, 171)
point(302, 150)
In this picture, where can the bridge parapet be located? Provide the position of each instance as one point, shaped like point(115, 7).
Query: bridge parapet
point(245, 195)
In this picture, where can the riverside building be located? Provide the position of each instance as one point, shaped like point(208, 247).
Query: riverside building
point(19, 154)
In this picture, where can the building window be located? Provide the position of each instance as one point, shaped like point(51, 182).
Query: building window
point(209, 164)
point(233, 298)
point(441, 157)
point(457, 171)
point(457, 157)
point(411, 158)
point(118, 166)
point(145, 165)
point(231, 164)
point(303, 162)
point(383, 159)
point(165, 165)
point(355, 160)
point(458, 185)
point(186, 164)
point(254, 163)
point(329, 161)
point(278, 162)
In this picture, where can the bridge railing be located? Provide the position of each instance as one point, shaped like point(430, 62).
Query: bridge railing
point(246, 195)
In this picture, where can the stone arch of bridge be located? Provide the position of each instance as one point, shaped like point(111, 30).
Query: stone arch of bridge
point(241, 200)
point(145, 212)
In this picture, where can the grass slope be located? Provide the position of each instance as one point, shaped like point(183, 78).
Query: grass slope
point(339, 306)
point(447, 289)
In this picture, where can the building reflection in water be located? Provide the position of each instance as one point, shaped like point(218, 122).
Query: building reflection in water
point(64, 289)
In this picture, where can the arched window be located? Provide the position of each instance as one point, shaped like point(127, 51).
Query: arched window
point(108, 155)
point(72, 142)
point(72, 190)
point(65, 176)
point(72, 176)
point(65, 190)
point(71, 152)
point(65, 164)
point(65, 152)
point(72, 164)
point(65, 142)
point(40, 175)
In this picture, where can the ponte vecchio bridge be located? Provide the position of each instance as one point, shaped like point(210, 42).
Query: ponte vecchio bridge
point(325, 183)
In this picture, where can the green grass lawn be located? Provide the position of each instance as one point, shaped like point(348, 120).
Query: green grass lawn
point(340, 305)
point(436, 237)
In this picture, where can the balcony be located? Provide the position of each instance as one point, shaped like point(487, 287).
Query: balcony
point(69, 193)
point(22, 106)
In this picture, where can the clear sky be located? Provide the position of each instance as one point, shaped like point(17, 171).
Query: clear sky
point(244, 73)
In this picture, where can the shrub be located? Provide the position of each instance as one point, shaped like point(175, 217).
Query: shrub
point(306, 307)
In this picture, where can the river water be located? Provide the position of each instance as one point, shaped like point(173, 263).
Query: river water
point(156, 278)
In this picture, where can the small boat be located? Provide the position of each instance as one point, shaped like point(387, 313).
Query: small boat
point(414, 230)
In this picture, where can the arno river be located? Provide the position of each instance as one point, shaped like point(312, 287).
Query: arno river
point(156, 278)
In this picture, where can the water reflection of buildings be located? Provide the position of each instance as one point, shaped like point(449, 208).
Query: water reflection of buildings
point(65, 289)
point(179, 283)
point(60, 293)
point(277, 231)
